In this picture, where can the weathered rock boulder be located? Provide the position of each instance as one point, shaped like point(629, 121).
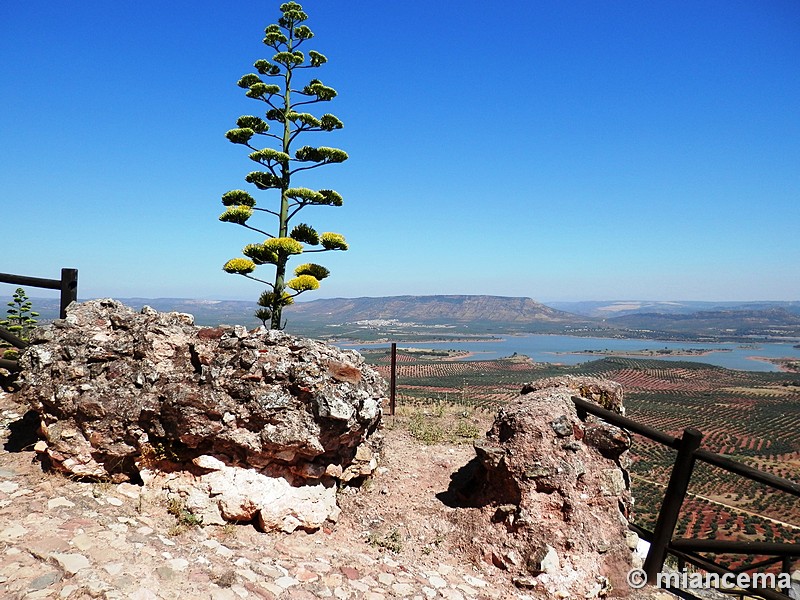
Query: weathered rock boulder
point(604, 392)
point(120, 392)
point(553, 497)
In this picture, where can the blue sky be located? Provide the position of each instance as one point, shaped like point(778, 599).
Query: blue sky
point(557, 150)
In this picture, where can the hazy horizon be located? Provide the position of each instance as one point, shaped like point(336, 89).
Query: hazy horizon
point(52, 295)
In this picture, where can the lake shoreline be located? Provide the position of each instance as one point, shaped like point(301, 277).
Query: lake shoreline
point(780, 363)
point(573, 350)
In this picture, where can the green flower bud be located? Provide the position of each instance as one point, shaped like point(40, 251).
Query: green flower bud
point(317, 271)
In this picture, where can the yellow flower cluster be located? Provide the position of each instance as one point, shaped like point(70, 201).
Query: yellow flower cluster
point(283, 245)
point(303, 283)
point(240, 266)
point(237, 214)
point(333, 241)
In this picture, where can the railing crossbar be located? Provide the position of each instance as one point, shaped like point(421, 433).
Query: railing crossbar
point(758, 565)
point(68, 288)
point(11, 365)
point(699, 561)
point(785, 485)
point(12, 339)
point(626, 423)
point(40, 282)
point(67, 285)
point(727, 464)
point(643, 533)
point(686, 549)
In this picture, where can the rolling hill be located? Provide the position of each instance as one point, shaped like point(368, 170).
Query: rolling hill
point(618, 308)
point(715, 323)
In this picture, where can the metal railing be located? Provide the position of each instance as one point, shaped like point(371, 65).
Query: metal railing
point(67, 285)
point(687, 550)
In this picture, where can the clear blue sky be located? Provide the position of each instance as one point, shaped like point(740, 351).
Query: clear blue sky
point(557, 150)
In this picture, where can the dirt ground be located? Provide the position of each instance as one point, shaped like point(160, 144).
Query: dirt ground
point(396, 537)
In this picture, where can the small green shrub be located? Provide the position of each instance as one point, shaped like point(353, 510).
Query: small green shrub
point(184, 517)
point(158, 451)
point(466, 430)
point(225, 579)
point(424, 429)
point(21, 319)
point(391, 541)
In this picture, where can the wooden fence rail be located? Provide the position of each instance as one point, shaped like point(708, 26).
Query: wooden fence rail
point(687, 550)
point(67, 286)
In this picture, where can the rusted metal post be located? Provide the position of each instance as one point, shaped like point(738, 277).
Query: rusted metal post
point(393, 380)
point(671, 505)
point(69, 290)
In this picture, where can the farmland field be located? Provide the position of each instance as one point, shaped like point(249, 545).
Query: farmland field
point(752, 417)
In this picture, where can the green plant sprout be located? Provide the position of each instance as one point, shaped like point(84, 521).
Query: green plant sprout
point(284, 99)
point(21, 320)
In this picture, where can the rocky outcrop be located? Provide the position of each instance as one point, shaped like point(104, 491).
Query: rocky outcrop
point(604, 392)
point(553, 494)
point(123, 394)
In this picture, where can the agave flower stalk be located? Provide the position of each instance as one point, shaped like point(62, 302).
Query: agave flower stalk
point(273, 84)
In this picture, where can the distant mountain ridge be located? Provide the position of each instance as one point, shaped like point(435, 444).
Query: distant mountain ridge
point(617, 308)
point(776, 321)
point(432, 309)
point(420, 309)
point(499, 314)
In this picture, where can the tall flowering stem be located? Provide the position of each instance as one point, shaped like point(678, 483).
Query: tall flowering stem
point(274, 85)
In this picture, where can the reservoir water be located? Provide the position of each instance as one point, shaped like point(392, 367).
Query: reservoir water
point(568, 350)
